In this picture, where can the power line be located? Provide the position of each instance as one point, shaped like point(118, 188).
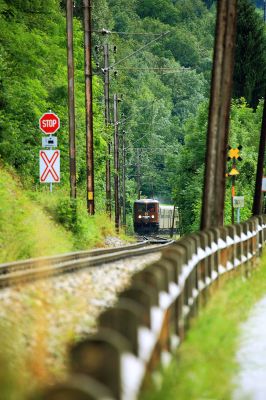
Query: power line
point(107, 32)
point(138, 50)
point(155, 69)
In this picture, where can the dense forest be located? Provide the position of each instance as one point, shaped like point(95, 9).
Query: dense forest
point(164, 91)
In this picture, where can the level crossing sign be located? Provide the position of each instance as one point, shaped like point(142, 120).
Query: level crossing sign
point(49, 166)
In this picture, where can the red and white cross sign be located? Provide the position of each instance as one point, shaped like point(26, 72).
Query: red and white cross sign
point(49, 166)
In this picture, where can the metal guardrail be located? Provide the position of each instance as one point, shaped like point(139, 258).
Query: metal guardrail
point(152, 316)
point(44, 267)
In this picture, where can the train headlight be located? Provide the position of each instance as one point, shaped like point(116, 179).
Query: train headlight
point(152, 216)
point(139, 216)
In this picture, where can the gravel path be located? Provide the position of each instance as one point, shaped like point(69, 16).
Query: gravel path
point(251, 356)
point(41, 319)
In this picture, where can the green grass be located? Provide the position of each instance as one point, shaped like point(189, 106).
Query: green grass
point(39, 223)
point(204, 365)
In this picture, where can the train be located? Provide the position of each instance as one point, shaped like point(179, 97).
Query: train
point(151, 217)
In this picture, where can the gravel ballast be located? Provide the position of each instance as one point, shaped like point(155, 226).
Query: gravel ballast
point(41, 319)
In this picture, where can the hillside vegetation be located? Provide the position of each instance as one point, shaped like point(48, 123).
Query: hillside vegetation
point(27, 230)
point(164, 88)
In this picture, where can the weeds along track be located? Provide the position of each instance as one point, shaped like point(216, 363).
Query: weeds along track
point(40, 268)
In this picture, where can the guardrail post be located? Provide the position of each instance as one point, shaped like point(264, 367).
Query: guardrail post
point(216, 257)
point(253, 229)
point(99, 357)
point(210, 260)
point(195, 273)
point(186, 279)
point(264, 228)
point(239, 248)
point(246, 248)
point(203, 267)
point(177, 256)
point(77, 387)
point(224, 251)
point(125, 318)
point(231, 248)
point(260, 233)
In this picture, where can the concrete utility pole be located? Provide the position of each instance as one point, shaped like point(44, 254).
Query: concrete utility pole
point(71, 99)
point(107, 123)
point(88, 106)
point(219, 112)
point(258, 194)
point(116, 164)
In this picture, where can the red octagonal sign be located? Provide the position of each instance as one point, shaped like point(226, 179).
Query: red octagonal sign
point(49, 123)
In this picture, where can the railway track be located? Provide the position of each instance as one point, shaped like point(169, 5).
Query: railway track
point(39, 268)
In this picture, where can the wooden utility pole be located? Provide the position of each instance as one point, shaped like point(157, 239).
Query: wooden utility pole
point(107, 123)
point(173, 224)
point(88, 106)
point(71, 99)
point(124, 176)
point(257, 195)
point(116, 163)
point(219, 112)
point(138, 173)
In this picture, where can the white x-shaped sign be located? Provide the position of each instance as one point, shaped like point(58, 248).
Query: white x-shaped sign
point(49, 166)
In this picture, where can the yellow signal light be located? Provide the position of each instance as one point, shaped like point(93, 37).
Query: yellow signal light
point(233, 172)
point(233, 153)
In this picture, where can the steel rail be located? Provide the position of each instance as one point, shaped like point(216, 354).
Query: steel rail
point(40, 268)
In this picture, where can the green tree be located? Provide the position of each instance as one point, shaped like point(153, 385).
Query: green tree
point(188, 180)
point(250, 58)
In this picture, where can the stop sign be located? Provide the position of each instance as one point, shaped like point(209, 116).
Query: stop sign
point(49, 123)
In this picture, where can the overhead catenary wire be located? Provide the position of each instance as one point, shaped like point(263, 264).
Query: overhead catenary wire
point(155, 69)
point(108, 32)
point(138, 50)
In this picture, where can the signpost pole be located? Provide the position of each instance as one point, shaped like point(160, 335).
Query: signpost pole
point(233, 194)
point(238, 215)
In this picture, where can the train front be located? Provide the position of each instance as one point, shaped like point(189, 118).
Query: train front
point(146, 216)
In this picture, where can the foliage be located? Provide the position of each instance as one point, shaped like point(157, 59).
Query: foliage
point(26, 231)
point(165, 88)
point(37, 224)
point(34, 80)
point(189, 163)
point(33, 71)
point(250, 63)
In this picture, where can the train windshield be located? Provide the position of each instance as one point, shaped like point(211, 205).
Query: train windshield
point(141, 207)
point(151, 207)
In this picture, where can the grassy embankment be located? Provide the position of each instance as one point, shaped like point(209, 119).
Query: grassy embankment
point(204, 367)
point(34, 224)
